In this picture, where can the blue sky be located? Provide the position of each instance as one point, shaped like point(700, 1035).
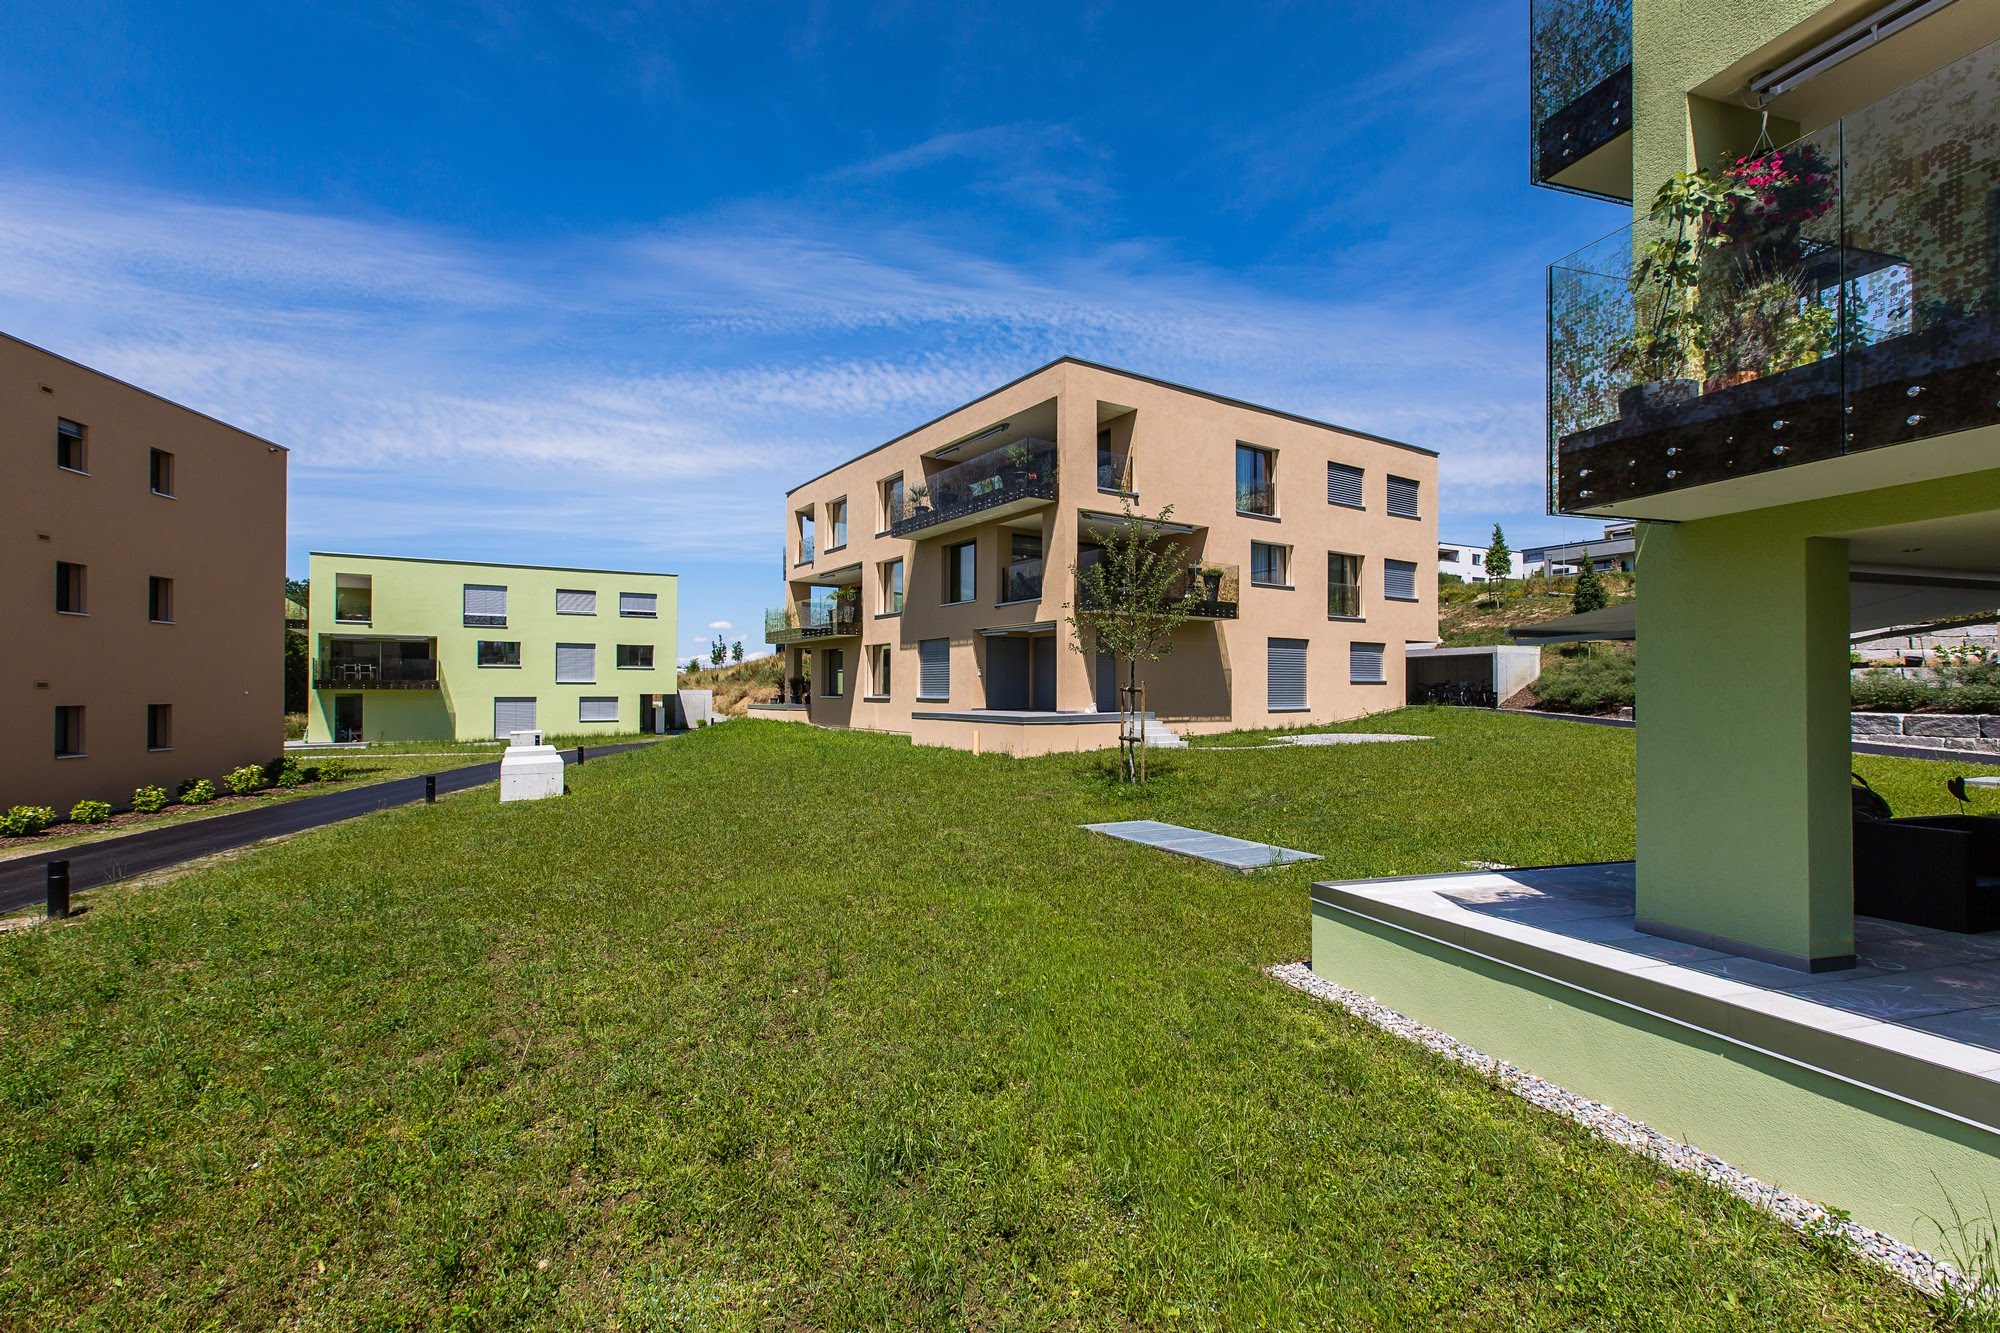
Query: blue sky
point(593, 287)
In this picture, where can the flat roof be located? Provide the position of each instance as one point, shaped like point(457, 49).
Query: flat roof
point(489, 564)
point(103, 375)
point(1130, 375)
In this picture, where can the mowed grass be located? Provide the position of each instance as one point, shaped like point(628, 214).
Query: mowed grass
point(773, 1027)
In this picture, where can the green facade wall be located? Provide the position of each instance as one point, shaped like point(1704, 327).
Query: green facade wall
point(425, 598)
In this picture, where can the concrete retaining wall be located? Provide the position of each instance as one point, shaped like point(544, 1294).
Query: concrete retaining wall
point(1950, 731)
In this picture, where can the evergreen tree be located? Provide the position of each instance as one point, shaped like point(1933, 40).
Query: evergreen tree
point(1499, 559)
point(736, 651)
point(1589, 594)
point(718, 652)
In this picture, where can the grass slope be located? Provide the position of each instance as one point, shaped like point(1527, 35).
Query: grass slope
point(1470, 615)
point(772, 1027)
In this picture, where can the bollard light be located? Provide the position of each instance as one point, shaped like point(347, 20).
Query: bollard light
point(58, 890)
point(430, 789)
point(579, 754)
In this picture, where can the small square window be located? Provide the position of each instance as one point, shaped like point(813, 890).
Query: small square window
point(70, 449)
point(159, 726)
point(70, 583)
point(635, 656)
point(1270, 565)
point(160, 600)
point(69, 731)
point(162, 470)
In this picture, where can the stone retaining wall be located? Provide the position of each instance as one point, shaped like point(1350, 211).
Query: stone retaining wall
point(1950, 731)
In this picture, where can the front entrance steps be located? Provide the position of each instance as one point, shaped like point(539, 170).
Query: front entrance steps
point(1161, 737)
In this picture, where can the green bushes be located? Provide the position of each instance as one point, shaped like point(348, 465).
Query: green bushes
point(1594, 684)
point(289, 772)
point(25, 821)
point(1888, 692)
point(244, 780)
point(197, 791)
point(149, 800)
point(89, 812)
point(333, 769)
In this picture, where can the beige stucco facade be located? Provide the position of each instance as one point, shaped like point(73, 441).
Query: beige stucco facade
point(209, 646)
point(1116, 436)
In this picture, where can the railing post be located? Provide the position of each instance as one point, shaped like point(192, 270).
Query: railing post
point(58, 906)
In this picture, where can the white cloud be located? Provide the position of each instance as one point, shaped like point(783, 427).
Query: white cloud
point(720, 625)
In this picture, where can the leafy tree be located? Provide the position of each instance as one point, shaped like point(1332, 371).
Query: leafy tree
point(1499, 559)
point(694, 664)
point(297, 672)
point(1589, 594)
point(718, 652)
point(736, 651)
point(1130, 602)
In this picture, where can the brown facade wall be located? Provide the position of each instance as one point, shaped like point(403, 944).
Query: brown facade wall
point(1183, 450)
point(220, 664)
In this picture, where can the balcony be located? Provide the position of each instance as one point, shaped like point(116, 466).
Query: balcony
point(1217, 589)
point(375, 672)
point(1580, 96)
point(1830, 297)
point(999, 484)
point(1114, 472)
point(799, 621)
point(1021, 581)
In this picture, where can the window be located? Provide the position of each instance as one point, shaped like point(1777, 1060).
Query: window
point(162, 472)
point(934, 669)
point(1402, 497)
point(961, 580)
point(1270, 565)
point(1343, 584)
point(836, 524)
point(485, 605)
point(160, 600)
point(69, 588)
point(1447, 555)
point(635, 657)
point(159, 726)
point(69, 731)
point(1343, 486)
point(597, 709)
point(1113, 469)
point(892, 501)
point(1399, 580)
point(833, 673)
point(1022, 581)
point(1476, 556)
point(69, 446)
point(644, 605)
point(499, 653)
point(804, 519)
point(353, 598)
point(575, 602)
point(1285, 684)
point(892, 587)
point(1364, 664)
point(1255, 493)
point(576, 664)
point(878, 670)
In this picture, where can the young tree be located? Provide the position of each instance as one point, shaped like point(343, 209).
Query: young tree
point(1130, 602)
point(1589, 594)
point(694, 664)
point(736, 651)
point(1499, 559)
point(718, 652)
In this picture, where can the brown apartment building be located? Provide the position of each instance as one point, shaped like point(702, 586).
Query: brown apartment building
point(143, 640)
point(928, 581)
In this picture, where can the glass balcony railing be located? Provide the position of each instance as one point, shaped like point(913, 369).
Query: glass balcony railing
point(1579, 80)
point(806, 549)
point(1023, 470)
point(1114, 472)
point(1835, 295)
point(1217, 588)
point(817, 619)
point(373, 672)
point(1021, 581)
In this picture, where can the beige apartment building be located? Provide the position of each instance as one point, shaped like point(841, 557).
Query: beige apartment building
point(144, 640)
point(929, 580)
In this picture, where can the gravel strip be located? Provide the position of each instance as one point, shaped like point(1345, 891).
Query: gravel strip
point(1924, 1271)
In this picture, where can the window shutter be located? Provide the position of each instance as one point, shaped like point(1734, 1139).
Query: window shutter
point(575, 602)
point(597, 710)
point(1343, 485)
point(512, 715)
point(576, 663)
point(1287, 665)
point(934, 669)
point(485, 604)
point(1402, 497)
point(1364, 664)
point(1399, 580)
point(638, 604)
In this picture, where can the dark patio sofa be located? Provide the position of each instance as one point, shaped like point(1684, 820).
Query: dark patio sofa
point(1941, 871)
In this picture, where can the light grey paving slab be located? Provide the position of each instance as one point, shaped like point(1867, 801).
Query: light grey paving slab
point(1215, 848)
point(1980, 1027)
point(1352, 738)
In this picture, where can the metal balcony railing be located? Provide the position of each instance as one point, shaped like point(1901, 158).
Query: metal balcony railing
point(1839, 294)
point(820, 619)
point(1579, 80)
point(1215, 589)
point(1023, 470)
point(375, 673)
point(1114, 472)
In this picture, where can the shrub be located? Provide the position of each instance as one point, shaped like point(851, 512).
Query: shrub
point(289, 772)
point(244, 780)
point(197, 791)
point(1887, 692)
point(25, 821)
point(149, 800)
point(334, 769)
point(89, 812)
point(1588, 685)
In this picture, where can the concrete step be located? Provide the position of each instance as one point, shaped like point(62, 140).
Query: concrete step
point(1159, 737)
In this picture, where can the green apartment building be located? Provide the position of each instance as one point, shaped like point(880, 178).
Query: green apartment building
point(406, 649)
point(1786, 371)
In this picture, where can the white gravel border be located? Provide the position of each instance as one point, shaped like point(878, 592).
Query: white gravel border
point(1924, 1271)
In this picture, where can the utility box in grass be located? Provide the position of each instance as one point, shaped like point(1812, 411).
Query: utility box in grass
point(530, 770)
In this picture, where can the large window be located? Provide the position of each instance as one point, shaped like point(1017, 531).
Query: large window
point(162, 473)
point(934, 669)
point(878, 669)
point(485, 605)
point(70, 452)
point(635, 657)
point(833, 678)
point(961, 581)
point(159, 726)
point(1285, 682)
point(892, 587)
point(643, 605)
point(892, 501)
point(160, 600)
point(576, 602)
point(1256, 492)
point(353, 598)
point(499, 653)
point(1343, 584)
point(1399, 580)
point(576, 664)
point(1022, 581)
point(1343, 486)
point(69, 731)
point(1403, 497)
point(70, 586)
point(1364, 664)
point(804, 521)
point(1270, 565)
point(836, 524)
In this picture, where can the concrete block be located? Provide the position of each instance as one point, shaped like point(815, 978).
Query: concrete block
point(1940, 724)
point(530, 772)
point(1877, 724)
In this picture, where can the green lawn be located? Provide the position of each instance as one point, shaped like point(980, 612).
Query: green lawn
point(773, 1027)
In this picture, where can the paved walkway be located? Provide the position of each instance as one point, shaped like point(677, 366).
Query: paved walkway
point(24, 880)
point(1214, 848)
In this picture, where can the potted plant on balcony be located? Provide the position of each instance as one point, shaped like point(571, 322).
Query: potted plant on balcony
point(1210, 578)
point(919, 497)
point(1663, 354)
point(1770, 323)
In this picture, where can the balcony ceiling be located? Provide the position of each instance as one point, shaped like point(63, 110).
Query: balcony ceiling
point(845, 576)
point(1034, 423)
point(1962, 548)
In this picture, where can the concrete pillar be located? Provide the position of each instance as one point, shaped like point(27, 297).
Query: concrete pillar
point(1076, 488)
point(1744, 825)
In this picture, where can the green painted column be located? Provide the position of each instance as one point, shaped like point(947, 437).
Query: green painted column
point(1744, 824)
